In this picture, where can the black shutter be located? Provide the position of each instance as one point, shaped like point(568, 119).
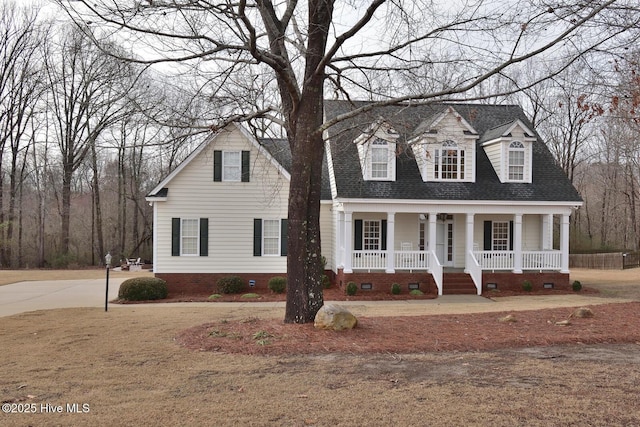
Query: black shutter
point(217, 166)
point(487, 235)
point(284, 237)
point(257, 237)
point(245, 166)
point(357, 238)
point(383, 235)
point(510, 235)
point(175, 236)
point(204, 236)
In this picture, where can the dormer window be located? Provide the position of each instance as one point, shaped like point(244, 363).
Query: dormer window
point(377, 149)
point(449, 162)
point(516, 161)
point(379, 159)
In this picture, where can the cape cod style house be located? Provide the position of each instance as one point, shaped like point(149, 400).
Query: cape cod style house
point(446, 198)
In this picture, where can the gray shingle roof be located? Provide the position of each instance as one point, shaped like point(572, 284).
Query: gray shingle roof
point(549, 181)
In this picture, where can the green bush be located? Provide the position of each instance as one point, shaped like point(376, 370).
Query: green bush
point(326, 283)
point(277, 284)
point(576, 285)
point(527, 286)
point(143, 289)
point(352, 288)
point(230, 285)
point(416, 292)
point(395, 289)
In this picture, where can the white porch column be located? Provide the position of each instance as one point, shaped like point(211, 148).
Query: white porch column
point(547, 232)
point(469, 240)
point(340, 240)
point(517, 243)
point(391, 231)
point(348, 238)
point(432, 231)
point(564, 244)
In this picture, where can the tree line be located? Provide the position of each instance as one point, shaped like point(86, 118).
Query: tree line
point(87, 128)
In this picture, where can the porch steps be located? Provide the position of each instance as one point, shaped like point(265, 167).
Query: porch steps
point(458, 284)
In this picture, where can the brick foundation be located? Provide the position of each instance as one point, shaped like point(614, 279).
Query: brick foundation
point(513, 282)
point(381, 282)
point(205, 283)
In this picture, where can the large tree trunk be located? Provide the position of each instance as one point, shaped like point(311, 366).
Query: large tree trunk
point(304, 266)
point(304, 288)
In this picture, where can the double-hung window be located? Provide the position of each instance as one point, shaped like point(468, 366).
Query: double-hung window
point(371, 235)
point(271, 237)
point(189, 236)
point(500, 236)
point(516, 161)
point(379, 159)
point(231, 167)
point(449, 162)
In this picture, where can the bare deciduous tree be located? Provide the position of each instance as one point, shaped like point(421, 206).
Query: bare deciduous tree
point(359, 50)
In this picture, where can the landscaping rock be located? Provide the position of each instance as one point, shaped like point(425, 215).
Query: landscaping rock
point(582, 312)
point(509, 318)
point(334, 317)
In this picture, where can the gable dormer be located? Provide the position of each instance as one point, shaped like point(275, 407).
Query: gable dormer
point(377, 152)
point(510, 151)
point(444, 146)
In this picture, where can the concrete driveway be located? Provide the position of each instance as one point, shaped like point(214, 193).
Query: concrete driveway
point(43, 295)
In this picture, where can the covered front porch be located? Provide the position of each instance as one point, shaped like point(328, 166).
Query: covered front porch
point(478, 241)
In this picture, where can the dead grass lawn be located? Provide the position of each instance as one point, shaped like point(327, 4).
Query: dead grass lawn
point(128, 367)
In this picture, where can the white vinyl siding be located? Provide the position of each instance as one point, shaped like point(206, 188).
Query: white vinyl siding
point(231, 209)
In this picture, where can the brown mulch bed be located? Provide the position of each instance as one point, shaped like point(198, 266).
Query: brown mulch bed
point(337, 294)
point(611, 323)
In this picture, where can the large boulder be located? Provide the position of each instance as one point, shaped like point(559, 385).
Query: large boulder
point(334, 317)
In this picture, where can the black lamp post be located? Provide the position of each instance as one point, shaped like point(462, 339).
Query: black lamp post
point(107, 260)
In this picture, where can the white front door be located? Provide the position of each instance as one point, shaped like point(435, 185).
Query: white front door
point(444, 241)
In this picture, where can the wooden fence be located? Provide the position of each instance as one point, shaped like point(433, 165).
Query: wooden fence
point(605, 261)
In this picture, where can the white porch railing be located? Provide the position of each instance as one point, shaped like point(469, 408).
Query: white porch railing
point(485, 260)
point(369, 260)
point(475, 271)
point(531, 260)
point(541, 260)
point(411, 260)
point(436, 270)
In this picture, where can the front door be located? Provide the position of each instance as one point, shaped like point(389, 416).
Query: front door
point(444, 241)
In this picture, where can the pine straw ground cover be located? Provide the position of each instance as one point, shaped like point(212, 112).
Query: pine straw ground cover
point(611, 323)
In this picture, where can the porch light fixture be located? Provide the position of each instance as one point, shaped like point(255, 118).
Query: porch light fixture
point(492, 286)
point(366, 286)
point(547, 285)
point(413, 286)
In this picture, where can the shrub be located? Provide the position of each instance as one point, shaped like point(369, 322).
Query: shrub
point(143, 289)
point(395, 289)
point(277, 284)
point(527, 286)
point(576, 285)
point(215, 296)
point(250, 296)
point(416, 292)
point(352, 288)
point(230, 285)
point(326, 283)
